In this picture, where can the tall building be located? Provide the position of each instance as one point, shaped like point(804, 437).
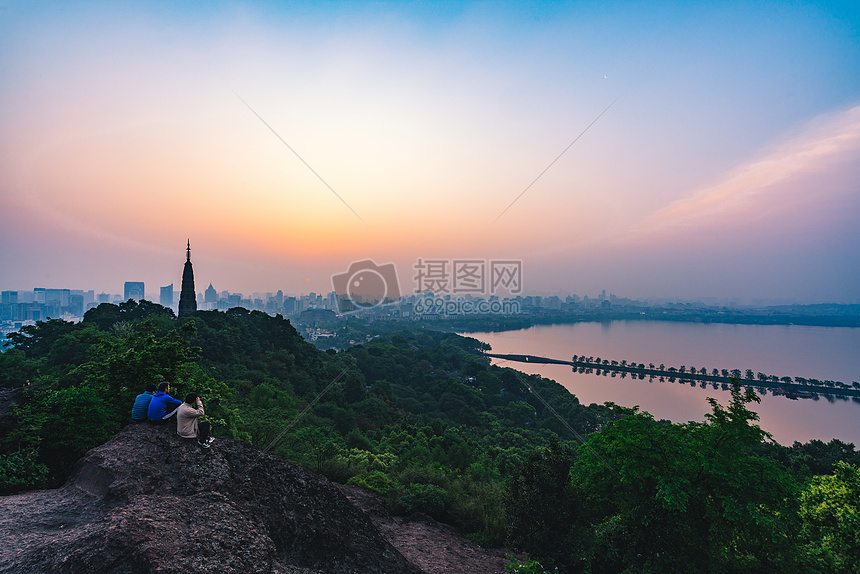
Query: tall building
point(166, 299)
point(133, 290)
point(210, 296)
point(9, 306)
point(55, 302)
point(187, 297)
point(76, 304)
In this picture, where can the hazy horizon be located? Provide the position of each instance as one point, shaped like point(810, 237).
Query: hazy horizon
point(153, 295)
point(727, 164)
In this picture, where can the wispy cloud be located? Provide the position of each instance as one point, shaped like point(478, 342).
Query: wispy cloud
point(824, 144)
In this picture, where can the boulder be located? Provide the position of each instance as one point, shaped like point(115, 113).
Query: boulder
point(150, 501)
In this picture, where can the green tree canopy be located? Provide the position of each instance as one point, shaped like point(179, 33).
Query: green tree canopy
point(830, 509)
point(689, 497)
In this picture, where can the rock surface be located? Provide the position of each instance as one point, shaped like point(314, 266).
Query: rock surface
point(434, 547)
point(149, 501)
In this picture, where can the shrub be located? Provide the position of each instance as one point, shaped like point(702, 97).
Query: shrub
point(527, 567)
point(377, 481)
point(427, 498)
point(21, 471)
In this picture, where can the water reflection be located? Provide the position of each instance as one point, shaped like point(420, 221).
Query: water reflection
point(811, 352)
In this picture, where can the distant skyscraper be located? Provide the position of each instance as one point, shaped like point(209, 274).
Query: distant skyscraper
point(133, 290)
point(9, 306)
point(76, 305)
point(210, 295)
point(187, 298)
point(167, 296)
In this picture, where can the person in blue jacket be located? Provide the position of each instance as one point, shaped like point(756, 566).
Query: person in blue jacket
point(141, 404)
point(161, 401)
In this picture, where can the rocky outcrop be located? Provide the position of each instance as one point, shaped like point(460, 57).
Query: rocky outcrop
point(149, 501)
point(434, 547)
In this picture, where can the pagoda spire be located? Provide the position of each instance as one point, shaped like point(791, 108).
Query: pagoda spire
point(187, 298)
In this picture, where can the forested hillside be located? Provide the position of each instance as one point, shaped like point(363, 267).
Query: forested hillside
point(421, 418)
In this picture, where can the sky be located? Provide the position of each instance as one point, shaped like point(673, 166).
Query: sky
point(653, 149)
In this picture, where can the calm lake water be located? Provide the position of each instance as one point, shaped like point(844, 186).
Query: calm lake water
point(813, 352)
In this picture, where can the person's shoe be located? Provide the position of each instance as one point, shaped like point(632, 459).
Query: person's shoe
point(210, 440)
point(203, 444)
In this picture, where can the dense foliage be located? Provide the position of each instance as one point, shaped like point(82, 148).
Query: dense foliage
point(421, 418)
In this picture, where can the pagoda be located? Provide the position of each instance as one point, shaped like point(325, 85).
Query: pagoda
point(187, 297)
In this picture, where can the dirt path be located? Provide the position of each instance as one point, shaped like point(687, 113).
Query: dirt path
point(432, 546)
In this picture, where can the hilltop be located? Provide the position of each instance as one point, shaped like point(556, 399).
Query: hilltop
point(149, 501)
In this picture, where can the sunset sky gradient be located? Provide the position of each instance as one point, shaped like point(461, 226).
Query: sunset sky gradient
point(728, 167)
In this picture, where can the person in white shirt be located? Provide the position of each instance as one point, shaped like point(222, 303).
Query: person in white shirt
point(187, 424)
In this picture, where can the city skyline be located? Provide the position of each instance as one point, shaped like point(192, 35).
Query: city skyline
point(442, 286)
point(657, 150)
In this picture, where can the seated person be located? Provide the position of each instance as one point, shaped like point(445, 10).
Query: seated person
point(187, 425)
point(159, 404)
point(141, 404)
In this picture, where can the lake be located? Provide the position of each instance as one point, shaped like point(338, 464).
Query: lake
point(785, 350)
